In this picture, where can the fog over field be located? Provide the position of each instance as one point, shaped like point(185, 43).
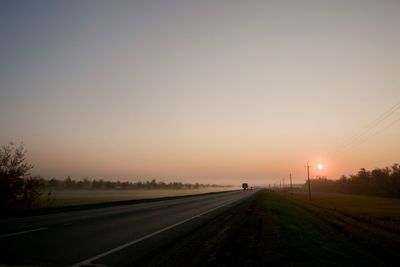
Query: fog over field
point(77, 197)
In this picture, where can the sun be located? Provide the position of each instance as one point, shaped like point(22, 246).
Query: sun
point(320, 166)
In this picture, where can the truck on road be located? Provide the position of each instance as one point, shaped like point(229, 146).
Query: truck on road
point(245, 186)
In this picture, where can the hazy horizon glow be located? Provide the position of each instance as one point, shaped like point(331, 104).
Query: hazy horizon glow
point(208, 92)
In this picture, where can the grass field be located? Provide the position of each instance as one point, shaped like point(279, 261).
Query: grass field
point(355, 204)
point(330, 230)
point(383, 213)
point(59, 198)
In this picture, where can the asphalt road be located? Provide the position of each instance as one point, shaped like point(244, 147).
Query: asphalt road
point(107, 236)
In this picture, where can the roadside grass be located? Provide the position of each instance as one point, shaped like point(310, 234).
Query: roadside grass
point(303, 239)
point(289, 230)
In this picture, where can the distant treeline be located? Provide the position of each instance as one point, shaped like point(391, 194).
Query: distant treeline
point(378, 182)
point(19, 189)
point(87, 183)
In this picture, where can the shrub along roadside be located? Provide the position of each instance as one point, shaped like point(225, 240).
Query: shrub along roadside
point(17, 187)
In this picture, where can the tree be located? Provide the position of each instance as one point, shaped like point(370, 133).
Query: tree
point(32, 189)
point(69, 183)
point(13, 170)
point(383, 182)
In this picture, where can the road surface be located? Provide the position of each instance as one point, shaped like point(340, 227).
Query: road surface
point(106, 236)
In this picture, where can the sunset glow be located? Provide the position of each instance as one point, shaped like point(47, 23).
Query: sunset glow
point(205, 92)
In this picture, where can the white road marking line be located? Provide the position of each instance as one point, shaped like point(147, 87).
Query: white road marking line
point(88, 261)
point(24, 232)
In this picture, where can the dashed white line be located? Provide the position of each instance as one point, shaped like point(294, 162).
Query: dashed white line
point(24, 232)
point(90, 260)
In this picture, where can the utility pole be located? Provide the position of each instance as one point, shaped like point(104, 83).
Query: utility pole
point(291, 187)
point(308, 177)
point(283, 179)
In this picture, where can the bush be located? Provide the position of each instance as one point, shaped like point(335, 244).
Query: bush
point(15, 185)
point(32, 189)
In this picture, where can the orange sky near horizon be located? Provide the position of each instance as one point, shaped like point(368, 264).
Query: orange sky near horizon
point(202, 92)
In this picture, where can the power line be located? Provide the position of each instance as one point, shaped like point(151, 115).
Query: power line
point(374, 123)
point(371, 126)
point(376, 133)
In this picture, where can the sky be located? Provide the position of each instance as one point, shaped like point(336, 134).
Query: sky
point(201, 91)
